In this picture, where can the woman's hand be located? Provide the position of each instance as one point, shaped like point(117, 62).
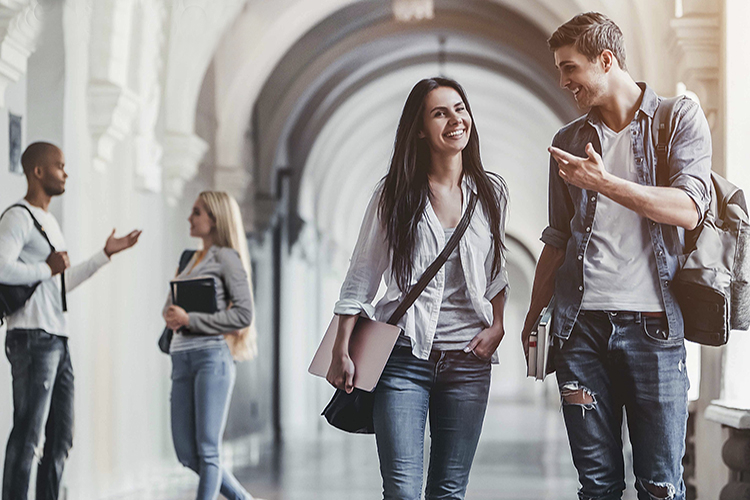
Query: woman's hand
point(341, 372)
point(486, 342)
point(176, 317)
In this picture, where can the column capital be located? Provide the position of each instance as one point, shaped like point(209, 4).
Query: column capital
point(181, 157)
point(111, 110)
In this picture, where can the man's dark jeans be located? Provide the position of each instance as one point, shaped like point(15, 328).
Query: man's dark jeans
point(42, 394)
point(623, 359)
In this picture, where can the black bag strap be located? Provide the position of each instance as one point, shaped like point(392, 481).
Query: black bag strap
point(52, 248)
point(439, 261)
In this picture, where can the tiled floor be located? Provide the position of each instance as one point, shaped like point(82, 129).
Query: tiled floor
point(523, 455)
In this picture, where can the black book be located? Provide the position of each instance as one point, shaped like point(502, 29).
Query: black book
point(195, 295)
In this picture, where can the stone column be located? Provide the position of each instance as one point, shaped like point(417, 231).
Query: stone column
point(695, 49)
point(735, 453)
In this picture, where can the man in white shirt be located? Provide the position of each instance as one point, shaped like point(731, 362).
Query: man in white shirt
point(37, 340)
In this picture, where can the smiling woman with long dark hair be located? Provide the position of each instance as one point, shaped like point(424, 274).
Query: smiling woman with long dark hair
point(441, 363)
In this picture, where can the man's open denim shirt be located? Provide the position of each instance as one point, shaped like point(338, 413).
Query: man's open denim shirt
point(572, 209)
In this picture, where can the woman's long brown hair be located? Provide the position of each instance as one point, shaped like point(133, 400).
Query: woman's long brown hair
point(406, 187)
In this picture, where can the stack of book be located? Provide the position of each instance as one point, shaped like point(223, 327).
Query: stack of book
point(539, 343)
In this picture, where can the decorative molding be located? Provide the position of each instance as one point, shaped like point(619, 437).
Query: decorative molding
point(112, 105)
point(728, 413)
point(182, 156)
point(111, 112)
point(20, 25)
point(413, 10)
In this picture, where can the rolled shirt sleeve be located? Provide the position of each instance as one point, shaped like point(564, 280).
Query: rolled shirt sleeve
point(689, 157)
point(368, 263)
point(560, 207)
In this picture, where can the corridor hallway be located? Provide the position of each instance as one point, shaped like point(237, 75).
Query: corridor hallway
point(523, 455)
point(291, 106)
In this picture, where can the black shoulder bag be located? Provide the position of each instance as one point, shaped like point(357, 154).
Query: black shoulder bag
point(165, 339)
point(352, 412)
point(14, 297)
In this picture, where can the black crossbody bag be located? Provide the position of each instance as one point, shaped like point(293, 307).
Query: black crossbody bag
point(14, 297)
point(352, 412)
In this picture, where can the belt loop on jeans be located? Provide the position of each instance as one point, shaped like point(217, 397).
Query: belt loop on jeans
point(638, 318)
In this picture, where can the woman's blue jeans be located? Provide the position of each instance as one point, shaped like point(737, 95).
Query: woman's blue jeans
point(628, 360)
point(453, 388)
point(202, 382)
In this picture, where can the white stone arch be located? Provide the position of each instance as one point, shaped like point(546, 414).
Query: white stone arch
point(266, 30)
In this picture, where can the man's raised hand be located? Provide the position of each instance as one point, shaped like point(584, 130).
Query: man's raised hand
point(116, 245)
point(585, 173)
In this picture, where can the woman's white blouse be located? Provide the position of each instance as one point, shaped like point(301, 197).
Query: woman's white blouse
point(371, 261)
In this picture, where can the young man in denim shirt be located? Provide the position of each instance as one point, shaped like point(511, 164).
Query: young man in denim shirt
point(611, 251)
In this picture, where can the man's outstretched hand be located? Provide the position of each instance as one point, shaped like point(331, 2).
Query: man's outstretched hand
point(116, 245)
point(585, 173)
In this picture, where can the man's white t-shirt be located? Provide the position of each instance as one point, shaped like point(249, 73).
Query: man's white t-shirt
point(23, 256)
point(619, 270)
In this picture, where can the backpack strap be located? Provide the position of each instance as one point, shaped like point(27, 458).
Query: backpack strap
point(36, 223)
point(52, 248)
point(185, 260)
point(663, 119)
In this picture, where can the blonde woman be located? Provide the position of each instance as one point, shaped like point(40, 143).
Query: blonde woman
point(204, 351)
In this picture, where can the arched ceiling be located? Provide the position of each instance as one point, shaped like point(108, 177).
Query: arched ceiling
point(362, 43)
point(352, 150)
point(264, 32)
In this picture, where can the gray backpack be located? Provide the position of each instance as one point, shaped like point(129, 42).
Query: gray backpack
point(712, 285)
